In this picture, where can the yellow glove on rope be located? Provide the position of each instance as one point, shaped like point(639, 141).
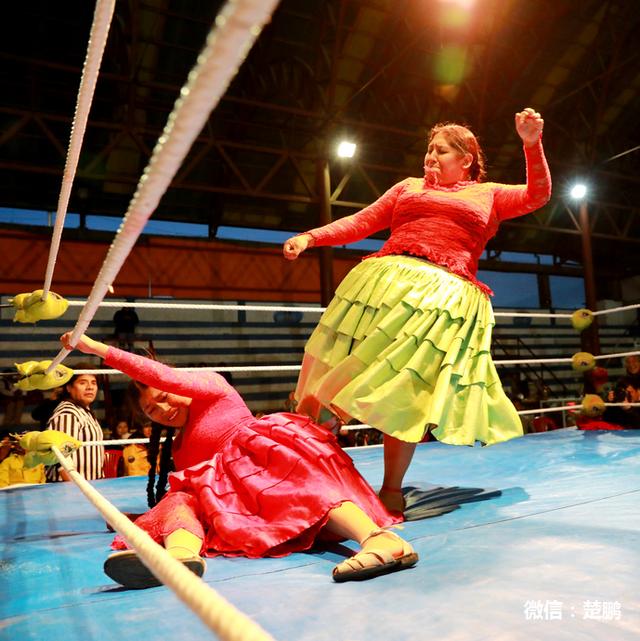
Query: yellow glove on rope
point(35, 377)
point(31, 308)
point(592, 405)
point(583, 362)
point(581, 319)
point(37, 446)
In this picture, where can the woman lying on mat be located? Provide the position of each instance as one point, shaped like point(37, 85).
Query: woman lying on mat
point(245, 486)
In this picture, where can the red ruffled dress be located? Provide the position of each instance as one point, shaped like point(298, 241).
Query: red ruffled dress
point(246, 486)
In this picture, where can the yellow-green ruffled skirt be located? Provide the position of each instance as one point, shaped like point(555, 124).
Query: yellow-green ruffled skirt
point(404, 346)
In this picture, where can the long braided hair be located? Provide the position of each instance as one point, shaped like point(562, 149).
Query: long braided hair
point(155, 490)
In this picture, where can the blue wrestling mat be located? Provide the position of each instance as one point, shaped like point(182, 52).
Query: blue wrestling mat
point(555, 557)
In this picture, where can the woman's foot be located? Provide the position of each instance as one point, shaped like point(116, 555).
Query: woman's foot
point(127, 569)
point(392, 499)
point(382, 552)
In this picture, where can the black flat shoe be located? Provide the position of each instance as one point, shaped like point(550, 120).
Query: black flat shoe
point(127, 569)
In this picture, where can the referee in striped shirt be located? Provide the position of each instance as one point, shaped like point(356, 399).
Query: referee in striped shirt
point(73, 416)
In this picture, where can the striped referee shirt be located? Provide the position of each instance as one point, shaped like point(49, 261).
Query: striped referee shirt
point(81, 424)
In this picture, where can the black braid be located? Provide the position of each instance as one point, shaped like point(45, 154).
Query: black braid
point(165, 464)
point(152, 457)
point(155, 494)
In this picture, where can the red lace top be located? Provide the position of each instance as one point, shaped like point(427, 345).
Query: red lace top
point(447, 225)
point(214, 413)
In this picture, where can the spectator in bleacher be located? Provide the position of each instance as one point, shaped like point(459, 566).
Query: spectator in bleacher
point(73, 416)
point(632, 366)
point(119, 432)
point(125, 321)
point(246, 486)
point(627, 391)
point(346, 437)
point(144, 431)
point(617, 392)
point(122, 430)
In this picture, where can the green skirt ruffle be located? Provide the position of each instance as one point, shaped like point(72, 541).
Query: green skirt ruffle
point(404, 346)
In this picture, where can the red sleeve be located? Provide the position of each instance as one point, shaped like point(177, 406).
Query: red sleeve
point(511, 201)
point(168, 379)
point(367, 221)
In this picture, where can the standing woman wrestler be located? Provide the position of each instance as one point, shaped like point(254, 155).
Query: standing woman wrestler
point(245, 486)
point(404, 344)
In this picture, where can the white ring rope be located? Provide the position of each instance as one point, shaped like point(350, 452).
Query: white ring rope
point(563, 408)
point(531, 361)
point(97, 41)
point(206, 306)
point(616, 309)
point(317, 309)
point(235, 29)
point(215, 612)
point(540, 410)
point(622, 404)
point(531, 315)
point(122, 441)
point(295, 368)
point(225, 368)
point(534, 361)
point(618, 355)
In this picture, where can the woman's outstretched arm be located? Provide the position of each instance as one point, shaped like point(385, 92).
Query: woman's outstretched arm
point(349, 229)
point(152, 373)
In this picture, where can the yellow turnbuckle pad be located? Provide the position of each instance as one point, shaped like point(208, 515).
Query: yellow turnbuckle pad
point(592, 405)
point(583, 362)
point(30, 308)
point(37, 446)
point(581, 319)
point(34, 377)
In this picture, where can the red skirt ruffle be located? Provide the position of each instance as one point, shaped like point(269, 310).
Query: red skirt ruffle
point(268, 492)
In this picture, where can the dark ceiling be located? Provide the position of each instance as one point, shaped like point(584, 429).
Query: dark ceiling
point(379, 71)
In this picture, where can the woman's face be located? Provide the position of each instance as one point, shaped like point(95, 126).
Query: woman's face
point(83, 390)
point(633, 365)
point(165, 408)
point(443, 164)
point(122, 428)
point(632, 395)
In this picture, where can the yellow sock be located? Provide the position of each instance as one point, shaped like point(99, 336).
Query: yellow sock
point(182, 544)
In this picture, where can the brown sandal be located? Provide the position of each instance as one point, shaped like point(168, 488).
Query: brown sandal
point(375, 562)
